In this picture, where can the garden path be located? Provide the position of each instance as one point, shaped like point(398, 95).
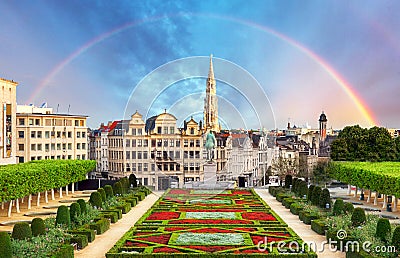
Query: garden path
point(102, 243)
point(301, 229)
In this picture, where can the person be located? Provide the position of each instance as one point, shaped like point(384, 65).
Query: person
point(210, 144)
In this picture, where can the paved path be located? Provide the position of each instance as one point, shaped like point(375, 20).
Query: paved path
point(104, 242)
point(301, 229)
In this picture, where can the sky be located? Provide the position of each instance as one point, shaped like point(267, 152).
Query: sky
point(274, 61)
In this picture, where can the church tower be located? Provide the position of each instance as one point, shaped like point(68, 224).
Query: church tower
point(322, 126)
point(211, 102)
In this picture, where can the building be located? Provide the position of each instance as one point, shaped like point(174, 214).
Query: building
point(211, 103)
point(8, 121)
point(41, 134)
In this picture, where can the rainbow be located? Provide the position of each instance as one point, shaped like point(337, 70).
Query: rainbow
point(347, 88)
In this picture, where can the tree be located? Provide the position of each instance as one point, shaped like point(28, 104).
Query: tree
point(38, 227)
point(63, 217)
point(132, 180)
point(383, 229)
point(21, 231)
point(5, 245)
point(283, 166)
point(320, 173)
point(358, 217)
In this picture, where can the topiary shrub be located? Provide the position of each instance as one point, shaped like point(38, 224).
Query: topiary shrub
point(125, 184)
point(38, 227)
point(102, 194)
point(82, 205)
point(309, 192)
point(109, 191)
point(63, 217)
point(303, 189)
point(117, 188)
point(95, 200)
point(338, 207)
point(74, 212)
point(315, 195)
point(288, 181)
point(5, 245)
point(21, 231)
point(396, 238)
point(132, 180)
point(325, 198)
point(348, 207)
point(358, 217)
point(383, 229)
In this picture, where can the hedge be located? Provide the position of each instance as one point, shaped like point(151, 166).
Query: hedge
point(80, 240)
point(89, 233)
point(295, 208)
point(319, 226)
point(65, 251)
point(5, 245)
point(125, 207)
point(383, 177)
point(101, 226)
point(23, 179)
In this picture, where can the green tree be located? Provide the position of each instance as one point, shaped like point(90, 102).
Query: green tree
point(38, 227)
point(5, 245)
point(21, 231)
point(358, 217)
point(63, 217)
point(320, 173)
point(383, 229)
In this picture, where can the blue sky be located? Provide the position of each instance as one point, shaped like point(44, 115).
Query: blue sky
point(96, 55)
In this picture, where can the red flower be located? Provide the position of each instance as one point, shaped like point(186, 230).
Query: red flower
point(257, 239)
point(258, 216)
point(178, 191)
point(210, 221)
point(165, 250)
point(160, 239)
point(130, 243)
point(211, 230)
point(163, 215)
point(213, 210)
point(175, 228)
point(241, 192)
point(246, 229)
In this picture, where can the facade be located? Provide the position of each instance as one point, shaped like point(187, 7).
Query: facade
point(158, 152)
point(41, 134)
point(8, 122)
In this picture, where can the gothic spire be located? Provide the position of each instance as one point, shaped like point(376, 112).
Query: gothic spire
point(211, 71)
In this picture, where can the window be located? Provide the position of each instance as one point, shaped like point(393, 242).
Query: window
point(159, 129)
point(197, 154)
point(78, 134)
point(69, 146)
point(153, 167)
point(128, 155)
point(159, 143)
point(145, 143)
point(153, 143)
point(21, 147)
point(171, 154)
point(185, 143)
point(39, 134)
point(46, 147)
point(30, 121)
point(185, 154)
point(37, 121)
point(39, 147)
point(128, 143)
point(21, 134)
point(58, 134)
point(83, 156)
point(145, 166)
point(165, 143)
point(171, 143)
point(58, 146)
point(133, 166)
point(133, 154)
point(47, 134)
point(197, 143)
point(139, 167)
point(191, 130)
point(139, 155)
point(83, 134)
point(177, 154)
point(78, 146)
point(144, 154)
point(64, 146)
point(165, 130)
point(83, 146)
point(145, 180)
point(139, 143)
point(33, 134)
point(177, 143)
point(191, 143)
point(172, 130)
point(139, 131)
point(133, 143)
point(76, 122)
point(77, 157)
point(69, 134)
point(133, 131)
point(33, 147)
point(21, 121)
point(69, 156)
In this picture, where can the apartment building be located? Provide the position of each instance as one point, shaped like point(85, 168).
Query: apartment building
point(8, 121)
point(41, 134)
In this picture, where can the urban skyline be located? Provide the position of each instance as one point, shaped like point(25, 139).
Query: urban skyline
point(300, 58)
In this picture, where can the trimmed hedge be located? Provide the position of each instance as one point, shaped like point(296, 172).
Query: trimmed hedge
point(288, 201)
point(5, 245)
point(117, 188)
point(102, 194)
point(295, 208)
point(132, 201)
point(113, 216)
point(21, 230)
point(80, 240)
point(82, 205)
point(89, 233)
point(74, 211)
point(65, 251)
point(358, 217)
point(33, 177)
point(109, 191)
point(95, 200)
point(38, 227)
point(316, 193)
point(319, 226)
point(396, 238)
point(325, 198)
point(63, 217)
point(309, 192)
point(281, 196)
point(101, 226)
point(383, 229)
point(125, 207)
point(338, 207)
point(348, 207)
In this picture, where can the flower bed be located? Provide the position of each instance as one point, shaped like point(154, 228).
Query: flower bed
point(228, 222)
